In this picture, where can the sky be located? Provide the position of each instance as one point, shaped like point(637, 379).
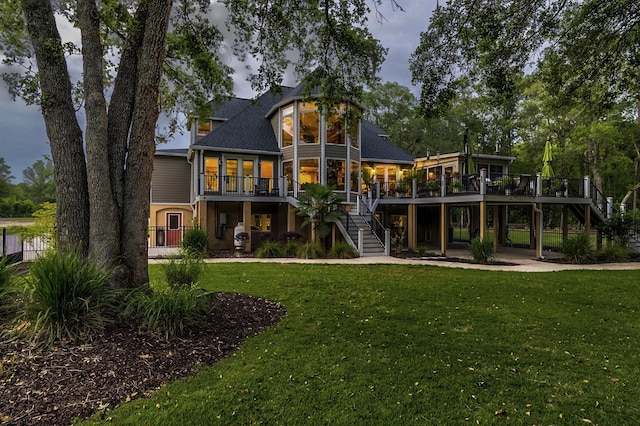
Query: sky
point(23, 139)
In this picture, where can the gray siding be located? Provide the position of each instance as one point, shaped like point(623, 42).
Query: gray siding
point(309, 151)
point(170, 182)
point(336, 151)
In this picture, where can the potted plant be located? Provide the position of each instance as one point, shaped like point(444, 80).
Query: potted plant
point(505, 183)
point(402, 187)
point(456, 186)
point(433, 187)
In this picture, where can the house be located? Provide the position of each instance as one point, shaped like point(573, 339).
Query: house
point(247, 164)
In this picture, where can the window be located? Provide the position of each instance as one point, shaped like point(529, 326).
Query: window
point(336, 128)
point(335, 174)
point(355, 176)
point(355, 134)
point(309, 171)
point(204, 127)
point(231, 176)
point(261, 222)
point(309, 124)
point(211, 173)
point(287, 126)
point(287, 170)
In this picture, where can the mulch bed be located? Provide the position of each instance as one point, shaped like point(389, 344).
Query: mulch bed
point(70, 380)
point(415, 255)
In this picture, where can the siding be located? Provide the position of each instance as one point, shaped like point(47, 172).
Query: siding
point(170, 182)
point(336, 151)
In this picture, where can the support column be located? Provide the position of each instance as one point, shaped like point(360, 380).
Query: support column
point(565, 223)
point(246, 219)
point(444, 228)
point(291, 218)
point(412, 227)
point(539, 231)
point(498, 236)
point(587, 218)
point(483, 219)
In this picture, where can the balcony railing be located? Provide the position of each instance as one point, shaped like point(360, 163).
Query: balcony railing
point(241, 185)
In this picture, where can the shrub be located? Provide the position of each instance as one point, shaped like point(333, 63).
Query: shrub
point(343, 250)
point(422, 250)
point(578, 248)
point(310, 251)
point(195, 240)
point(291, 248)
point(482, 250)
point(8, 291)
point(68, 297)
point(289, 236)
point(270, 249)
point(170, 311)
point(613, 253)
point(182, 271)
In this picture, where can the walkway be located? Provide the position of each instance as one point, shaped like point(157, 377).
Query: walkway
point(523, 259)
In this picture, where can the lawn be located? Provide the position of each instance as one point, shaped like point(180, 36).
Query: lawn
point(391, 344)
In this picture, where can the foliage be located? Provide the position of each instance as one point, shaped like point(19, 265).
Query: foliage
point(368, 331)
point(310, 251)
point(9, 291)
point(39, 185)
point(172, 312)
point(402, 187)
point(481, 249)
point(195, 240)
point(343, 250)
point(288, 236)
point(617, 227)
point(68, 296)
point(433, 186)
point(578, 248)
point(12, 207)
point(397, 240)
point(183, 270)
point(5, 179)
point(291, 248)
point(505, 182)
point(613, 253)
point(270, 249)
point(44, 225)
point(320, 206)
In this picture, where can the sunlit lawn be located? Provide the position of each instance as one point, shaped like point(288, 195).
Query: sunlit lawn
point(419, 345)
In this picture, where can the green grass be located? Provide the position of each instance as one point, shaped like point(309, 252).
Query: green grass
point(420, 345)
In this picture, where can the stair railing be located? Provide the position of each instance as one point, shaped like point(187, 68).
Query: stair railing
point(377, 229)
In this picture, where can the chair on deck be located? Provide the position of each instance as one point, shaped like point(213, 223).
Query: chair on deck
point(262, 187)
point(474, 185)
point(523, 186)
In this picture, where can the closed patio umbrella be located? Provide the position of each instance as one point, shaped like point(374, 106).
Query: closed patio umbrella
point(547, 158)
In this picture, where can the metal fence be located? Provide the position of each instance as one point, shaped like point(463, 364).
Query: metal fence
point(18, 249)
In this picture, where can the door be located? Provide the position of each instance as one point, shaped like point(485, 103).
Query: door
point(174, 229)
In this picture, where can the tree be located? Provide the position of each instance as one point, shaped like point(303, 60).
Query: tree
point(320, 206)
point(103, 198)
point(38, 184)
point(5, 179)
point(590, 48)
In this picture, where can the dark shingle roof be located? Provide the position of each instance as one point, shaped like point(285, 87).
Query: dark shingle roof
point(248, 128)
point(375, 147)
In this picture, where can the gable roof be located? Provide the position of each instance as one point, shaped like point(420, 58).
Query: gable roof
point(248, 128)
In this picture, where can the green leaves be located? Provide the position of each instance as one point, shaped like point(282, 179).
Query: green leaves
point(320, 206)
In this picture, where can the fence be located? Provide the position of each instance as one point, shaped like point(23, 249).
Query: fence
point(18, 249)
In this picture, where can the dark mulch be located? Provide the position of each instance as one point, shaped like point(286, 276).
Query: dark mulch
point(71, 380)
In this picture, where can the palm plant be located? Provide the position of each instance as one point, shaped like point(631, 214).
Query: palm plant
point(320, 207)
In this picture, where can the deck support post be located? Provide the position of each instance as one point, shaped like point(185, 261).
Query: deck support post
point(444, 228)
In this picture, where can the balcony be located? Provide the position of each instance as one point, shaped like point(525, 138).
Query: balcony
point(241, 186)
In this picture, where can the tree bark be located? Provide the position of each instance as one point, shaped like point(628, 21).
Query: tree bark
point(63, 131)
point(139, 163)
point(104, 237)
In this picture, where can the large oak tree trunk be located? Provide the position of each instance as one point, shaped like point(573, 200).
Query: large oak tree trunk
point(139, 166)
point(104, 237)
point(63, 131)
